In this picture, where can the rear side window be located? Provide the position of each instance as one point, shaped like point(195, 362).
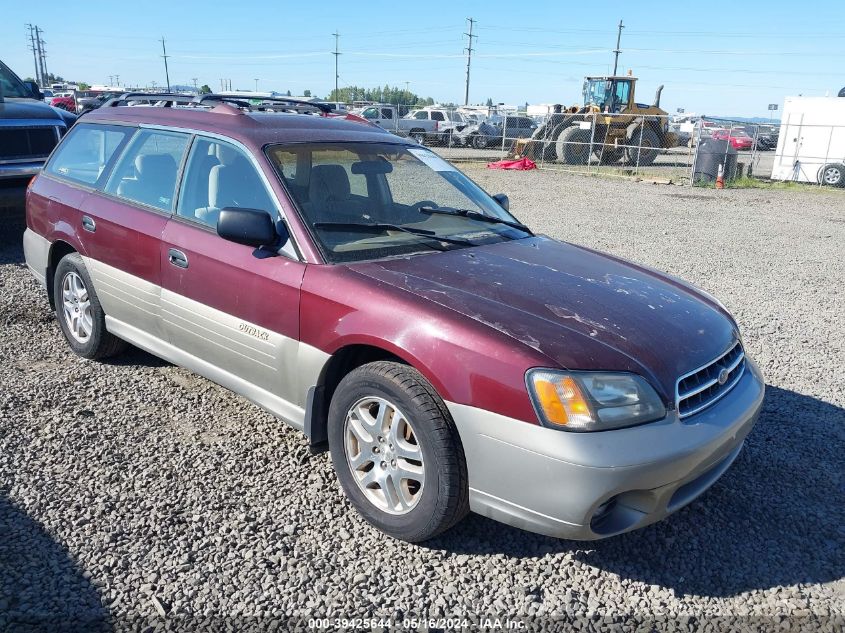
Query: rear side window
point(437, 116)
point(147, 171)
point(86, 152)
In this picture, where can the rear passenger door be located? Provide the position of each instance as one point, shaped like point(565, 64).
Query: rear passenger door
point(231, 310)
point(123, 221)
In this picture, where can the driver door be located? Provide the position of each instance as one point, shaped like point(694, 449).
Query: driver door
point(230, 309)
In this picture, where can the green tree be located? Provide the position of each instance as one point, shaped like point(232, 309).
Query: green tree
point(489, 102)
point(83, 86)
point(306, 93)
point(205, 89)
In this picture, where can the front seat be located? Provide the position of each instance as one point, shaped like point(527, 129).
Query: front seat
point(330, 196)
point(232, 183)
point(154, 182)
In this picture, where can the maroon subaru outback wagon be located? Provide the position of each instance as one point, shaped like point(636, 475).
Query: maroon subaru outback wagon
point(369, 294)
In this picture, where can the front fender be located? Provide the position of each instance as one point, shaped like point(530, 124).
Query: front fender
point(465, 361)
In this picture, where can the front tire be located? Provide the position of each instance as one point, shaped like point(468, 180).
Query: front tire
point(573, 146)
point(479, 141)
point(79, 312)
point(396, 452)
point(417, 136)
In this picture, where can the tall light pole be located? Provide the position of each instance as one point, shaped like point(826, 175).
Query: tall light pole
point(617, 50)
point(165, 56)
point(256, 85)
point(469, 57)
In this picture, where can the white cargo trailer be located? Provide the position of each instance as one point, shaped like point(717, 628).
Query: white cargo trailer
point(811, 143)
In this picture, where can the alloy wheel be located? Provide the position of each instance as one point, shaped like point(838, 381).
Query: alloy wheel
point(76, 307)
point(384, 456)
point(832, 176)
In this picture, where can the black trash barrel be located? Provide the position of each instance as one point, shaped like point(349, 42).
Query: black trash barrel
point(709, 155)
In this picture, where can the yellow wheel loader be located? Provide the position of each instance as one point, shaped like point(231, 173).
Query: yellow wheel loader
point(610, 123)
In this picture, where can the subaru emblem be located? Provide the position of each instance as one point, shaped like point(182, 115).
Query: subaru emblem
point(723, 376)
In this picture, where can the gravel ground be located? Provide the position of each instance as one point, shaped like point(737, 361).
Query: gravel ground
point(134, 488)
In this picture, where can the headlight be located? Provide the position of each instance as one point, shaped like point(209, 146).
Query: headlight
point(592, 401)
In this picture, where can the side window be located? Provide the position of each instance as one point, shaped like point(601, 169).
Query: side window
point(437, 116)
point(386, 113)
point(622, 89)
point(86, 151)
point(146, 172)
point(370, 113)
point(219, 175)
point(421, 115)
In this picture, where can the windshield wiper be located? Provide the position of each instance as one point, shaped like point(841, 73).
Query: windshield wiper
point(380, 226)
point(474, 215)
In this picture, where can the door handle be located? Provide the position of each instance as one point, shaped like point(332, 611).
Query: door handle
point(177, 258)
point(88, 224)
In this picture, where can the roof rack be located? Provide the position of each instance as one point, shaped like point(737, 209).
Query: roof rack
point(299, 105)
point(169, 98)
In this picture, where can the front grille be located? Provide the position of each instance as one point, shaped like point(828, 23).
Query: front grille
point(18, 143)
point(699, 389)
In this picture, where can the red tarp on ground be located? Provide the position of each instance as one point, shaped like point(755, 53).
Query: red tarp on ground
point(522, 164)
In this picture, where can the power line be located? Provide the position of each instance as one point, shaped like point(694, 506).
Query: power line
point(469, 56)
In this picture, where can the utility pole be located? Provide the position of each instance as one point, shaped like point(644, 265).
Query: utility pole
point(336, 54)
point(617, 51)
point(256, 85)
point(41, 54)
point(469, 56)
point(165, 56)
point(194, 79)
point(34, 54)
point(117, 80)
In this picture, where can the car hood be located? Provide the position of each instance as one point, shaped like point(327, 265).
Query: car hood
point(27, 109)
point(581, 308)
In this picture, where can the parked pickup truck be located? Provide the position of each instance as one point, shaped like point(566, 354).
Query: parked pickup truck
point(387, 116)
point(29, 128)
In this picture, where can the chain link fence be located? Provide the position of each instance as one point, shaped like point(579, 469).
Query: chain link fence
point(661, 148)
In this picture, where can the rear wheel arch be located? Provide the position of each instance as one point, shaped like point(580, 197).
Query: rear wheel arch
point(58, 250)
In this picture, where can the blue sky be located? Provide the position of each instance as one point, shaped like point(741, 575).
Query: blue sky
point(731, 62)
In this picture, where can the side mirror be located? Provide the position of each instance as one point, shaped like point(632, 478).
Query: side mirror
point(34, 90)
point(503, 201)
point(250, 227)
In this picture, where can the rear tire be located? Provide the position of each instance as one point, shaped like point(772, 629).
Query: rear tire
point(479, 141)
point(643, 150)
point(832, 175)
point(79, 312)
point(396, 452)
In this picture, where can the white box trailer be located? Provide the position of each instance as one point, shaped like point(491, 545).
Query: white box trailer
point(811, 143)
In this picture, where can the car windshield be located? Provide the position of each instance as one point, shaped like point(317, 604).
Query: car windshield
point(10, 85)
point(365, 201)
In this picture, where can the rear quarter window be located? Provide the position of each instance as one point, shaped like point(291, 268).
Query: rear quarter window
point(87, 151)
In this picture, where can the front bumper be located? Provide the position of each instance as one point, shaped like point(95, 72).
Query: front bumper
point(588, 486)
